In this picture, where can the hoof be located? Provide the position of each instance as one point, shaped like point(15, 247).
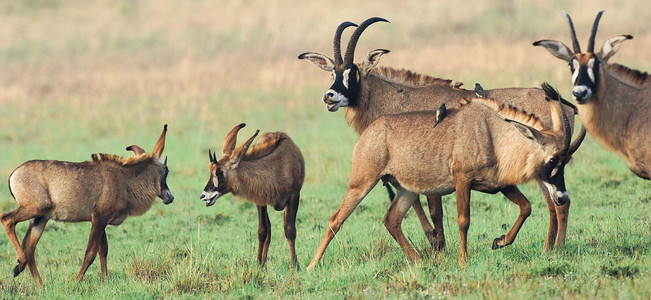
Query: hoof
point(495, 243)
point(18, 270)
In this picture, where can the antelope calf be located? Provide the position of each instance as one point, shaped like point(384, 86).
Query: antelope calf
point(271, 173)
point(614, 101)
point(471, 148)
point(104, 191)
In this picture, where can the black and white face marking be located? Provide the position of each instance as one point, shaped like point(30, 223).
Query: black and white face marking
point(584, 77)
point(345, 87)
point(165, 193)
point(215, 188)
point(553, 177)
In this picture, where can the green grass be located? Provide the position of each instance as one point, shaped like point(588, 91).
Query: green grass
point(68, 91)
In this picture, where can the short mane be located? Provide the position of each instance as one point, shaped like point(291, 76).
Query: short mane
point(408, 77)
point(131, 160)
point(267, 143)
point(636, 78)
point(507, 112)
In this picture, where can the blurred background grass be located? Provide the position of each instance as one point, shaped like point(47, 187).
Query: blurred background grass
point(79, 77)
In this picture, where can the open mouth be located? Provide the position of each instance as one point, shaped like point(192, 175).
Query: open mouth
point(210, 198)
point(332, 107)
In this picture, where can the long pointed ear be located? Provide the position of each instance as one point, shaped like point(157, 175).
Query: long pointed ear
point(556, 48)
point(611, 47)
point(320, 60)
point(136, 149)
point(160, 145)
point(371, 60)
point(529, 132)
point(241, 151)
point(231, 139)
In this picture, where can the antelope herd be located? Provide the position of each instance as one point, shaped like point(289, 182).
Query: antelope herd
point(489, 141)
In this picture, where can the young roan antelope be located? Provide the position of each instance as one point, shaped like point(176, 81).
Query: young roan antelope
point(103, 191)
point(472, 148)
point(368, 92)
point(271, 173)
point(614, 101)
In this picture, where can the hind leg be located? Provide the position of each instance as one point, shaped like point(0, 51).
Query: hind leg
point(289, 220)
point(34, 232)
point(9, 221)
point(436, 213)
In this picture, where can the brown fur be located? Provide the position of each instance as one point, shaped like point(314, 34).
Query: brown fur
point(419, 159)
point(507, 112)
point(634, 77)
point(104, 190)
point(270, 174)
point(389, 91)
point(407, 77)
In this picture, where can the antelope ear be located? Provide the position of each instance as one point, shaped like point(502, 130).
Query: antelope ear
point(556, 48)
point(160, 145)
point(231, 139)
point(240, 152)
point(529, 132)
point(320, 60)
point(137, 150)
point(611, 47)
point(371, 60)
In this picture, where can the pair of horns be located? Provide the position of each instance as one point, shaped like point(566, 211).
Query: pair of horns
point(352, 43)
point(158, 148)
point(230, 142)
point(593, 34)
point(568, 147)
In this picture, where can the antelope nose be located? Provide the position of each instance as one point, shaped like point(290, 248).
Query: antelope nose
point(579, 94)
point(328, 96)
point(202, 196)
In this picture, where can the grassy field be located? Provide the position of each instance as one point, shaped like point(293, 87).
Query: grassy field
point(80, 77)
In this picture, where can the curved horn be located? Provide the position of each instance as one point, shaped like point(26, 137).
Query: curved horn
point(160, 145)
point(593, 34)
point(211, 156)
point(350, 50)
point(577, 142)
point(231, 139)
point(567, 133)
point(575, 41)
point(337, 41)
point(136, 149)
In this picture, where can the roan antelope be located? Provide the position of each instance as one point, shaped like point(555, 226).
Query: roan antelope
point(614, 101)
point(482, 145)
point(270, 174)
point(368, 92)
point(105, 191)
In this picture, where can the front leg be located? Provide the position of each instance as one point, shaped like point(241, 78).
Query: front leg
point(436, 213)
point(264, 234)
point(514, 194)
point(94, 241)
point(103, 252)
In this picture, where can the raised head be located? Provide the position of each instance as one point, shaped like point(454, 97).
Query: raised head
point(224, 167)
point(346, 74)
point(585, 66)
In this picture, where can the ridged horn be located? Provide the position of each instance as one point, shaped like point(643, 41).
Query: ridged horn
point(575, 41)
point(352, 43)
point(577, 142)
point(337, 41)
point(593, 34)
point(231, 139)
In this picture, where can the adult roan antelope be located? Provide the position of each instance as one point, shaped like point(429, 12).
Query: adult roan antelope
point(614, 101)
point(483, 146)
point(105, 191)
point(270, 174)
point(368, 92)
